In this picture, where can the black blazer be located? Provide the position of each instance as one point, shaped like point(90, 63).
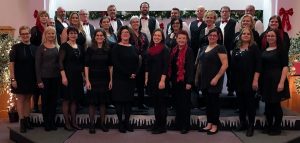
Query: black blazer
point(229, 34)
point(195, 35)
point(59, 28)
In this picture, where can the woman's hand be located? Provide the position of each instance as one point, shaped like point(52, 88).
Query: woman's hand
point(65, 81)
point(41, 85)
point(88, 85)
point(161, 85)
point(214, 81)
point(280, 87)
point(255, 85)
point(188, 86)
point(132, 76)
point(110, 85)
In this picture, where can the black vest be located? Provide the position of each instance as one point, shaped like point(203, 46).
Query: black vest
point(151, 24)
point(195, 35)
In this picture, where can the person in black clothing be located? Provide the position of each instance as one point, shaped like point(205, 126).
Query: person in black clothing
point(273, 83)
point(47, 74)
point(156, 79)
point(214, 63)
point(22, 75)
point(246, 67)
point(125, 61)
point(115, 22)
point(71, 62)
point(176, 26)
point(36, 40)
point(276, 24)
point(140, 41)
point(60, 22)
point(181, 73)
point(98, 74)
point(110, 35)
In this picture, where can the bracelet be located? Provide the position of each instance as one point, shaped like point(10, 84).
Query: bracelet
point(12, 79)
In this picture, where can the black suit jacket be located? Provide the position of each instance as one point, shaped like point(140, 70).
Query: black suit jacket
point(229, 34)
point(195, 35)
point(59, 28)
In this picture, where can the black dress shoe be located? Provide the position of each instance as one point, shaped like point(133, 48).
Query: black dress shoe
point(129, 128)
point(212, 133)
point(184, 131)
point(203, 130)
point(92, 129)
point(250, 132)
point(104, 128)
point(159, 131)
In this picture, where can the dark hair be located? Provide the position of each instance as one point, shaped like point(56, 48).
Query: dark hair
point(173, 21)
point(279, 22)
point(111, 30)
point(94, 42)
point(213, 30)
point(279, 43)
point(125, 27)
point(163, 37)
point(225, 7)
point(175, 8)
point(144, 3)
point(183, 32)
point(72, 29)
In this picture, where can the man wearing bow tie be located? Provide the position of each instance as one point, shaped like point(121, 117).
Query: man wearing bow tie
point(88, 28)
point(195, 27)
point(115, 22)
point(148, 24)
point(227, 26)
point(60, 22)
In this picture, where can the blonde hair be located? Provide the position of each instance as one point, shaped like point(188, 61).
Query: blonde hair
point(240, 42)
point(210, 12)
point(43, 12)
point(24, 27)
point(252, 26)
point(48, 29)
point(78, 25)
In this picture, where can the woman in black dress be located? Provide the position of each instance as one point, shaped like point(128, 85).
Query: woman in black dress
point(156, 79)
point(276, 24)
point(125, 61)
point(181, 73)
point(75, 22)
point(214, 63)
point(140, 41)
point(47, 74)
point(71, 62)
point(273, 81)
point(22, 75)
point(245, 73)
point(98, 73)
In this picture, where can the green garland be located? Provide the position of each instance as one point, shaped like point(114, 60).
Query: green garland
point(126, 15)
point(294, 55)
point(6, 42)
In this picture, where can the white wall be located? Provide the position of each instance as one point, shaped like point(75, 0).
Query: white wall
point(16, 13)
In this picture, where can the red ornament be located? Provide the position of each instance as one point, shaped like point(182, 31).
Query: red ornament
point(285, 18)
point(161, 25)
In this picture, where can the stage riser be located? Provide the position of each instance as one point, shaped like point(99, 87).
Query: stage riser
point(146, 121)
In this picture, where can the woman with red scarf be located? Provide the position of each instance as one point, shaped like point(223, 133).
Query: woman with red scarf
point(276, 24)
point(214, 63)
point(181, 73)
point(156, 79)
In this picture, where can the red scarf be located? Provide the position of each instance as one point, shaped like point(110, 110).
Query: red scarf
point(156, 49)
point(180, 62)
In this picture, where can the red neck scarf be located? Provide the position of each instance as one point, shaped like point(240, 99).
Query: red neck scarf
point(180, 62)
point(156, 49)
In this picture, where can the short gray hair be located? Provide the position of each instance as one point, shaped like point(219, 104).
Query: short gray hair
point(134, 17)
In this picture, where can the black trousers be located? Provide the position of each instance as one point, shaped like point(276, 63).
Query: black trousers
point(182, 105)
point(140, 85)
point(273, 111)
point(228, 74)
point(213, 107)
point(49, 99)
point(123, 108)
point(160, 111)
point(247, 106)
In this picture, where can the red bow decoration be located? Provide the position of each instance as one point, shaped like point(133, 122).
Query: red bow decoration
point(35, 13)
point(161, 26)
point(285, 17)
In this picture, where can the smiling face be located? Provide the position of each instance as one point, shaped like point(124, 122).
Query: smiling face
point(181, 40)
point(112, 11)
point(176, 25)
point(135, 24)
point(175, 14)
point(125, 34)
point(50, 35)
point(43, 18)
point(144, 9)
point(200, 12)
point(99, 37)
point(25, 35)
point(225, 13)
point(246, 35)
point(246, 22)
point(271, 38)
point(84, 16)
point(157, 37)
point(210, 19)
point(74, 19)
point(105, 24)
point(72, 36)
point(213, 38)
point(273, 23)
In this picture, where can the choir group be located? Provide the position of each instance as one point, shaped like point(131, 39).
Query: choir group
point(60, 58)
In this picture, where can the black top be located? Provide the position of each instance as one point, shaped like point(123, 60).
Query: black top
point(229, 34)
point(210, 66)
point(81, 40)
point(36, 36)
point(188, 67)
point(125, 61)
point(59, 28)
point(22, 56)
point(171, 42)
point(272, 64)
point(195, 33)
point(285, 40)
point(244, 65)
point(46, 63)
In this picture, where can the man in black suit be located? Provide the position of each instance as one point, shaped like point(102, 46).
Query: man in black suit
point(148, 23)
point(195, 27)
point(115, 22)
point(88, 28)
point(60, 22)
point(227, 25)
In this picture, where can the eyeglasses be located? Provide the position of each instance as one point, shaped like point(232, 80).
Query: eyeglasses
point(24, 34)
